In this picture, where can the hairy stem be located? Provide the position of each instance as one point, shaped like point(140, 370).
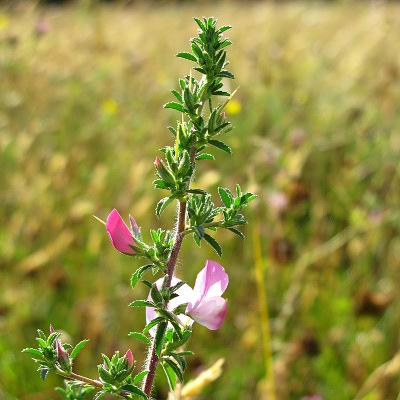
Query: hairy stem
point(153, 358)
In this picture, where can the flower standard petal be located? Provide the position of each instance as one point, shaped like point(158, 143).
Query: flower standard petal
point(120, 235)
point(211, 281)
point(210, 312)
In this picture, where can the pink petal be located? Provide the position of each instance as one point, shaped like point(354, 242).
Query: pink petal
point(119, 233)
point(209, 313)
point(211, 281)
point(130, 358)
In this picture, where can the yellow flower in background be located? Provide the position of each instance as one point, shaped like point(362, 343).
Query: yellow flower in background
point(233, 107)
point(110, 107)
point(4, 21)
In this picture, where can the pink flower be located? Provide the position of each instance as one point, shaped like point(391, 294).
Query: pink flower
point(207, 307)
point(204, 303)
point(120, 235)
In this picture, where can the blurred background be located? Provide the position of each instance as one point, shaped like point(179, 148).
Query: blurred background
point(317, 137)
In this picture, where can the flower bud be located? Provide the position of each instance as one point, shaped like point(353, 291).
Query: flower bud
point(130, 358)
point(63, 358)
point(51, 329)
point(158, 163)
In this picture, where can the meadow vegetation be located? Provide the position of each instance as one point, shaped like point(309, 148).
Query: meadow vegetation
point(317, 121)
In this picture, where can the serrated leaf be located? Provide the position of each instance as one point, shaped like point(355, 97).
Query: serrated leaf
point(175, 106)
point(140, 336)
point(226, 199)
point(186, 55)
point(221, 93)
point(174, 367)
point(34, 352)
point(163, 204)
point(222, 146)
point(142, 303)
point(139, 377)
point(139, 273)
point(135, 390)
point(159, 339)
point(237, 232)
point(177, 95)
point(213, 243)
point(78, 348)
point(171, 376)
point(225, 74)
point(224, 28)
point(205, 156)
point(152, 323)
point(99, 395)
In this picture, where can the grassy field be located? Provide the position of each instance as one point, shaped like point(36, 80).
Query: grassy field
point(317, 137)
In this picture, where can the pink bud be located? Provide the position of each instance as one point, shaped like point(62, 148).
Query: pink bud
point(63, 357)
point(51, 329)
point(120, 235)
point(130, 358)
point(158, 164)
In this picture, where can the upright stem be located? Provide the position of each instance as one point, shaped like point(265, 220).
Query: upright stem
point(153, 359)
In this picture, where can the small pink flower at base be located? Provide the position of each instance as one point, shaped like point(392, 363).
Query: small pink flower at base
point(208, 308)
point(205, 304)
point(130, 358)
point(120, 235)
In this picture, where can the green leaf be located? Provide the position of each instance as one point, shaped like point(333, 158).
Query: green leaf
point(140, 336)
point(221, 93)
point(213, 243)
point(200, 24)
point(162, 327)
point(152, 323)
point(34, 352)
point(78, 348)
point(177, 95)
point(186, 55)
point(197, 191)
point(247, 198)
point(135, 390)
point(101, 394)
point(139, 273)
point(225, 74)
point(224, 44)
point(171, 376)
point(139, 377)
point(175, 106)
point(237, 232)
point(225, 197)
point(174, 367)
point(222, 146)
point(205, 156)
point(163, 204)
point(142, 303)
point(224, 28)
